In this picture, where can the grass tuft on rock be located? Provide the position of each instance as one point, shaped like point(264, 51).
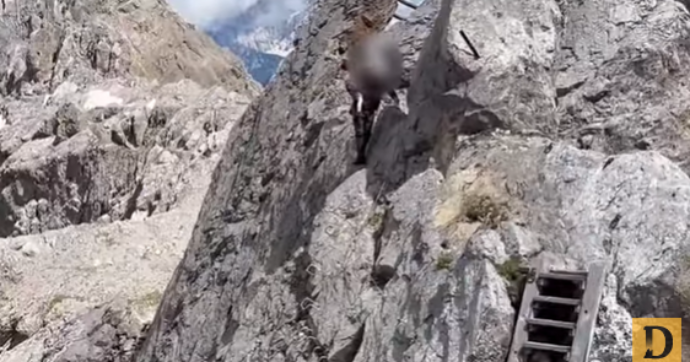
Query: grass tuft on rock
point(444, 261)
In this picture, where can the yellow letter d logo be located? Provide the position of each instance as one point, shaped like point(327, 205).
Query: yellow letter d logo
point(657, 339)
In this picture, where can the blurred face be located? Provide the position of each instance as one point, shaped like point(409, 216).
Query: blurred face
point(374, 64)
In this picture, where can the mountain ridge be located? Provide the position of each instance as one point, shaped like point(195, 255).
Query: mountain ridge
point(260, 43)
point(112, 118)
point(556, 143)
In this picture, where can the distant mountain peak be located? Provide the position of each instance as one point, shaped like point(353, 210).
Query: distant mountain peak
point(262, 35)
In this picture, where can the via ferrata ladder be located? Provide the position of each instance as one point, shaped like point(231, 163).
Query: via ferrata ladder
point(558, 313)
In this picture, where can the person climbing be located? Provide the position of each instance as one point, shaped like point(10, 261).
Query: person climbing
point(374, 66)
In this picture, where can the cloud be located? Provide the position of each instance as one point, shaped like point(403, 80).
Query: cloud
point(205, 13)
point(278, 11)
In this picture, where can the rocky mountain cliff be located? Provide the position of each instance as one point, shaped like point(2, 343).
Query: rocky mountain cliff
point(112, 118)
point(263, 44)
point(261, 36)
point(567, 138)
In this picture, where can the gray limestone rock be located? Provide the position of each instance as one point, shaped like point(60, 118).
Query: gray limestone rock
point(561, 140)
point(299, 256)
point(106, 333)
point(112, 119)
point(108, 110)
point(110, 150)
point(47, 43)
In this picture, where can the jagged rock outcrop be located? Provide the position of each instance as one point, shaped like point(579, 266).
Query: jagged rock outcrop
point(46, 42)
point(299, 256)
point(59, 274)
point(110, 151)
point(110, 332)
point(112, 119)
point(262, 35)
point(75, 145)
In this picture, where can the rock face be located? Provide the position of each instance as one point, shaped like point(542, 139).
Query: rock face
point(105, 333)
point(84, 139)
point(44, 43)
point(60, 274)
point(530, 149)
point(262, 35)
point(112, 119)
point(112, 151)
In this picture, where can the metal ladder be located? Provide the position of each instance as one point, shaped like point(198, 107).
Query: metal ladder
point(409, 5)
point(585, 287)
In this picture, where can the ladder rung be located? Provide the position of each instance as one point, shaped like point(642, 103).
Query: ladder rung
point(551, 323)
point(556, 300)
point(546, 347)
point(408, 4)
point(573, 272)
point(562, 276)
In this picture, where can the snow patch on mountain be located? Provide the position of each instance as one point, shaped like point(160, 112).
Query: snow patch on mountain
point(266, 40)
point(262, 39)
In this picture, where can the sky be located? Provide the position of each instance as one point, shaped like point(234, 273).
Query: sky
point(205, 13)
